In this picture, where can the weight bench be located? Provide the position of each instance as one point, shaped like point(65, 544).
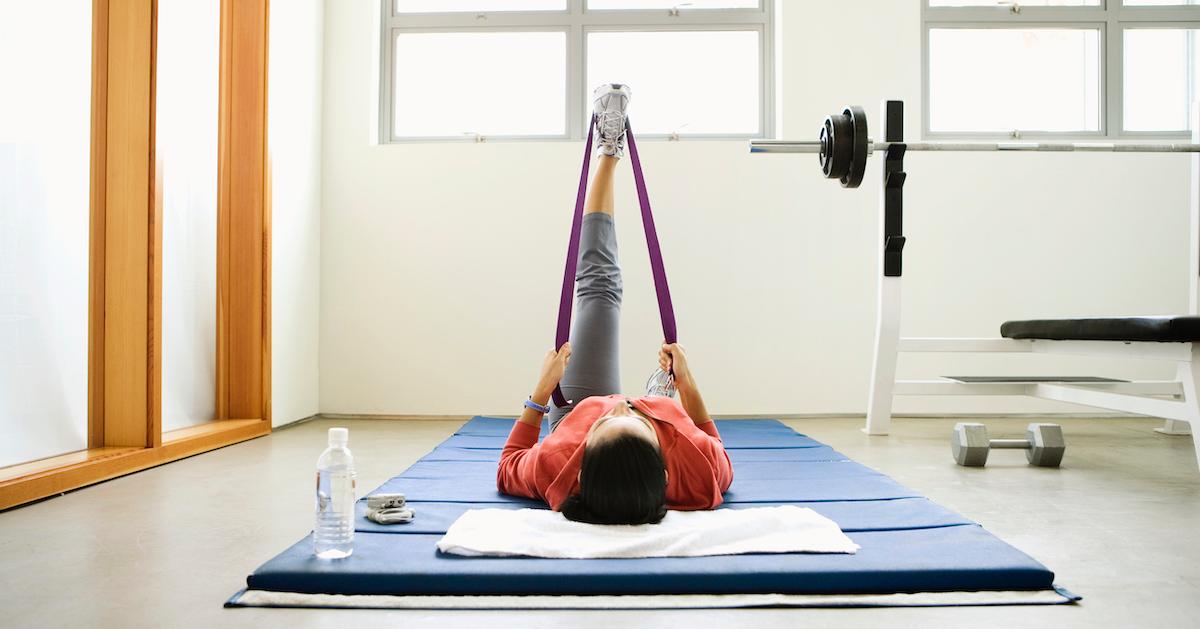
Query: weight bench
point(1142, 338)
point(844, 148)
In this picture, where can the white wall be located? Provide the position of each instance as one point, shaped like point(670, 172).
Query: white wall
point(440, 262)
point(295, 147)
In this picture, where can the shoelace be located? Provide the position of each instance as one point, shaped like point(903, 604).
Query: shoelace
point(612, 126)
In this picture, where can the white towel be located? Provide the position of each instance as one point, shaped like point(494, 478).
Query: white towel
point(544, 533)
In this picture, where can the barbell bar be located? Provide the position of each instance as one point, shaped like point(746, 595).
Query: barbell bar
point(812, 146)
point(844, 146)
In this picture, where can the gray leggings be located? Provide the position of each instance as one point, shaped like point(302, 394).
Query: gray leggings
point(594, 368)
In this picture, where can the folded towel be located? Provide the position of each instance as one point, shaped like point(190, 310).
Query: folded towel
point(544, 533)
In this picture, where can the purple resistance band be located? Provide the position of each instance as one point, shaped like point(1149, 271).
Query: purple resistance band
point(665, 310)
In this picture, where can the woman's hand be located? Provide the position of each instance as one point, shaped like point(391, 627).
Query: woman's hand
point(553, 366)
point(673, 358)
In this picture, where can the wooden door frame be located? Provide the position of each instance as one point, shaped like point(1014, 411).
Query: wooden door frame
point(125, 275)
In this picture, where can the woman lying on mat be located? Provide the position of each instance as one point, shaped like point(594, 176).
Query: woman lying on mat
point(611, 459)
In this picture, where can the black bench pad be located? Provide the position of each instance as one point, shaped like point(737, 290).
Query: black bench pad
point(1179, 329)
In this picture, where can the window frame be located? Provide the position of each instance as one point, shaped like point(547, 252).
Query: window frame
point(125, 318)
point(577, 21)
point(1111, 17)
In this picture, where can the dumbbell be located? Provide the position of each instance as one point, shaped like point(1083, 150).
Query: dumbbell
point(1043, 444)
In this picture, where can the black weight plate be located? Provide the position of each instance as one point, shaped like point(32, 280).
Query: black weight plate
point(858, 141)
point(837, 144)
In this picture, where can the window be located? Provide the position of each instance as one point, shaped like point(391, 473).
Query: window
point(44, 158)
point(476, 6)
point(1159, 83)
point(81, 240)
point(667, 101)
point(1093, 68)
point(491, 83)
point(185, 117)
point(524, 69)
point(982, 79)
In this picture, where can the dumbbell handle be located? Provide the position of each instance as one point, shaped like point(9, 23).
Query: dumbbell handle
point(1012, 444)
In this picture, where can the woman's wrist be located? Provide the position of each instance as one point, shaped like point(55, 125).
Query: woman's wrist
point(541, 409)
point(541, 395)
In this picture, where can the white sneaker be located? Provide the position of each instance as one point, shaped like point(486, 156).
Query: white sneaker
point(609, 102)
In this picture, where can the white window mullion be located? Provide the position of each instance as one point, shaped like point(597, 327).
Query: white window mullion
point(576, 118)
point(1114, 68)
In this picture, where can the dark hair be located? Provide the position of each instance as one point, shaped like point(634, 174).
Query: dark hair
point(622, 481)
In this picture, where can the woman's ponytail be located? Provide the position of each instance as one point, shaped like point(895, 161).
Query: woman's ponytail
point(576, 510)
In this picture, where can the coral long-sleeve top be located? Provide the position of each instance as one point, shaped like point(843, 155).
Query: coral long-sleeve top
point(698, 469)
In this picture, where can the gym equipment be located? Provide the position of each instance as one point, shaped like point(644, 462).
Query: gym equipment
point(1043, 444)
point(844, 146)
point(909, 544)
point(666, 311)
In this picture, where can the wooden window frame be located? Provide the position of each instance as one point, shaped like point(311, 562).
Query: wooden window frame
point(125, 258)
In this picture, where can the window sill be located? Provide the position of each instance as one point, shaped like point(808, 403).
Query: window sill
point(31, 481)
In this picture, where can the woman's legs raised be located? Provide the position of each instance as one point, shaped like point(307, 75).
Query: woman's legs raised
point(600, 195)
point(594, 368)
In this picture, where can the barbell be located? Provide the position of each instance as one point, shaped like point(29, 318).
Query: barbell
point(844, 146)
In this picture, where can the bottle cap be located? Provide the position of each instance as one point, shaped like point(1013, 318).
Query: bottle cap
point(339, 436)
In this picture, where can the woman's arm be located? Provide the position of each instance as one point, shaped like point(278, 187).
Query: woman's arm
point(673, 358)
point(515, 474)
point(689, 397)
point(553, 366)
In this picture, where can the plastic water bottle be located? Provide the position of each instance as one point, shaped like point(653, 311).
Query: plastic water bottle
point(661, 383)
point(333, 536)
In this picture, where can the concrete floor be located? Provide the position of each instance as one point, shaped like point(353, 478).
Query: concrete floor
point(167, 546)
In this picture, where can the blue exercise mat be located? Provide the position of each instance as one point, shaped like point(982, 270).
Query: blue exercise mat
point(889, 561)
point(494, 427)
point(909, 544)
point(739, 455)
point(469, 472)
point(754, 481)
point(455, 453)
point(489, 433)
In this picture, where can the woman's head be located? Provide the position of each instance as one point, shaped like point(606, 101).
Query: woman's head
point(622, 479)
